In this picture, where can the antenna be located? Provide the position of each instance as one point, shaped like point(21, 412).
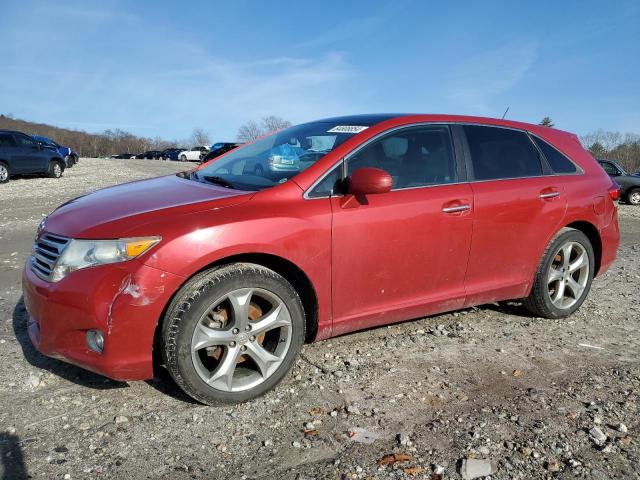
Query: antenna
point(505, 113)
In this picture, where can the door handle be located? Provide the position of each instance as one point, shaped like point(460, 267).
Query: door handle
point(457, 208)
point(546, 195)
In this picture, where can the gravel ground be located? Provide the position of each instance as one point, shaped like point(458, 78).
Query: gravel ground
point(482, 390)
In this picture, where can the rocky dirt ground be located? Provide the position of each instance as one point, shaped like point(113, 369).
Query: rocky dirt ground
point(484, 390)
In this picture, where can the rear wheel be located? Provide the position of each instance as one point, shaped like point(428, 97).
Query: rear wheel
point(232, 333)
point(55, 169)
point(183, 158)
point(633, 197)
point(564, 276)
point(4, 173)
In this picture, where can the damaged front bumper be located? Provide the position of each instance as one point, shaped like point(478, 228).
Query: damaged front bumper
point(123, 301)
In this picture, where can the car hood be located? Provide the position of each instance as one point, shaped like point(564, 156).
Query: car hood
point(114, 211)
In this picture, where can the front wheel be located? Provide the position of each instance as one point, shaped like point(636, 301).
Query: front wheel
point(183, 158)
point(633, 197)
point(564, 276)
point(232, 333)
point(55, 169)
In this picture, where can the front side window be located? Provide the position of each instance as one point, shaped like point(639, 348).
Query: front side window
point(24, 141)
point(498, 153)
point(557, 161)
point(276, 158)
point(610, 168)
point(414, 157)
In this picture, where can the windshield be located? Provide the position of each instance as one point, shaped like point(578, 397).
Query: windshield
point(276, 158)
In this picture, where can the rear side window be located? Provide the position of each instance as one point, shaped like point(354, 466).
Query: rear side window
point(558, 162)
point(6, 140)
point(498, 153)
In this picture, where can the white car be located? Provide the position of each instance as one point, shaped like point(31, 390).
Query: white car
point(196, 153)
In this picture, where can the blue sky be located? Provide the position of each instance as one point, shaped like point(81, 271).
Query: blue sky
point(165, 68)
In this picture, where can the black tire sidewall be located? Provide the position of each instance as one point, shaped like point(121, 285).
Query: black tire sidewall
point(569, 236)
point(190, 312)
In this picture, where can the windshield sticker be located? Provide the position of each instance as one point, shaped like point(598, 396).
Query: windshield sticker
point(347, 129)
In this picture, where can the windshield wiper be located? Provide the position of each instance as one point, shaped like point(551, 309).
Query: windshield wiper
point(218, 181)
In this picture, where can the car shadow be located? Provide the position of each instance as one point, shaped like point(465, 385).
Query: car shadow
point(508, 307)
point(11, 457)
point(64, 370)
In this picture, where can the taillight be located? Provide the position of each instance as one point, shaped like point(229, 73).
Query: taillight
point(614, 191)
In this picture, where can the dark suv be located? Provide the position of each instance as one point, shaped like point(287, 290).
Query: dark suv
point(629, 184)
point(22, 154)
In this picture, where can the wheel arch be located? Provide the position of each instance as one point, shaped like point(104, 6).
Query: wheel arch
point(287, 269)
point(592, 233)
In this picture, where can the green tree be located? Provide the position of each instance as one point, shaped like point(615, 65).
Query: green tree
point(546, 122)
point(597, 150)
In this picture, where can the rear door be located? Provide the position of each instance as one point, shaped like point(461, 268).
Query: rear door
point(402, 254)
point(518, 207)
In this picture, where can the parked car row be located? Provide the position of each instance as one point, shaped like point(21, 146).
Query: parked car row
point(25, 154)
point(200, 153)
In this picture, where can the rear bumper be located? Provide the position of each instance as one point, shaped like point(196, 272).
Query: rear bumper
point(124, 301)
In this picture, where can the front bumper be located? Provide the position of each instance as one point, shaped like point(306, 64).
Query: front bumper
point(125, 301)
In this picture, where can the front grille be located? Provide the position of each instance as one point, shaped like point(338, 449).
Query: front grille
point(47, 250)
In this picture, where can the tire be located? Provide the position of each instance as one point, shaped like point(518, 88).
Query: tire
point(68, 160)
point(4, 173)
point(55, 169)
point(202, 333)
point(561, 283)
point(633, 196)
point(183, 158)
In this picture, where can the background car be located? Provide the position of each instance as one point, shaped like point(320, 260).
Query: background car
point(149, 155)
point(629, 184)
point(22, 154)
point(218, 149)
point(69, 155)
point(172, 153)
point(127, 156)
point(272, 163)
point(196, 153)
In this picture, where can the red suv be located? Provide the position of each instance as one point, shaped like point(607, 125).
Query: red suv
point(225, 271)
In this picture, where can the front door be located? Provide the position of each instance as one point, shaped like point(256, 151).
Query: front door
point(402, 254)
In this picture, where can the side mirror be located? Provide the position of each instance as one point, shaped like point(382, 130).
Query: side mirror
point(368, 180)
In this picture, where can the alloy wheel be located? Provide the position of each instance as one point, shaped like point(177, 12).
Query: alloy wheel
point(634, 198)
point(568, 275)
point(57, 171)
point(241, 340)
point(4, 173)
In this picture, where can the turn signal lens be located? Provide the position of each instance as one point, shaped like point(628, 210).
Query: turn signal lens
point(138, 246)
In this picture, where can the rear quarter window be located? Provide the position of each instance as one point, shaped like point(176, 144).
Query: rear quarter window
point(501, 153)
point(558, 162)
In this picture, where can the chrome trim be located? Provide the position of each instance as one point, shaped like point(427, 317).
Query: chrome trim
point(459, 208)
point(549, 195)
point(47, 249)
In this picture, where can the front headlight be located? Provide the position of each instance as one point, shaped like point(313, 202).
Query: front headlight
point(80, 254)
